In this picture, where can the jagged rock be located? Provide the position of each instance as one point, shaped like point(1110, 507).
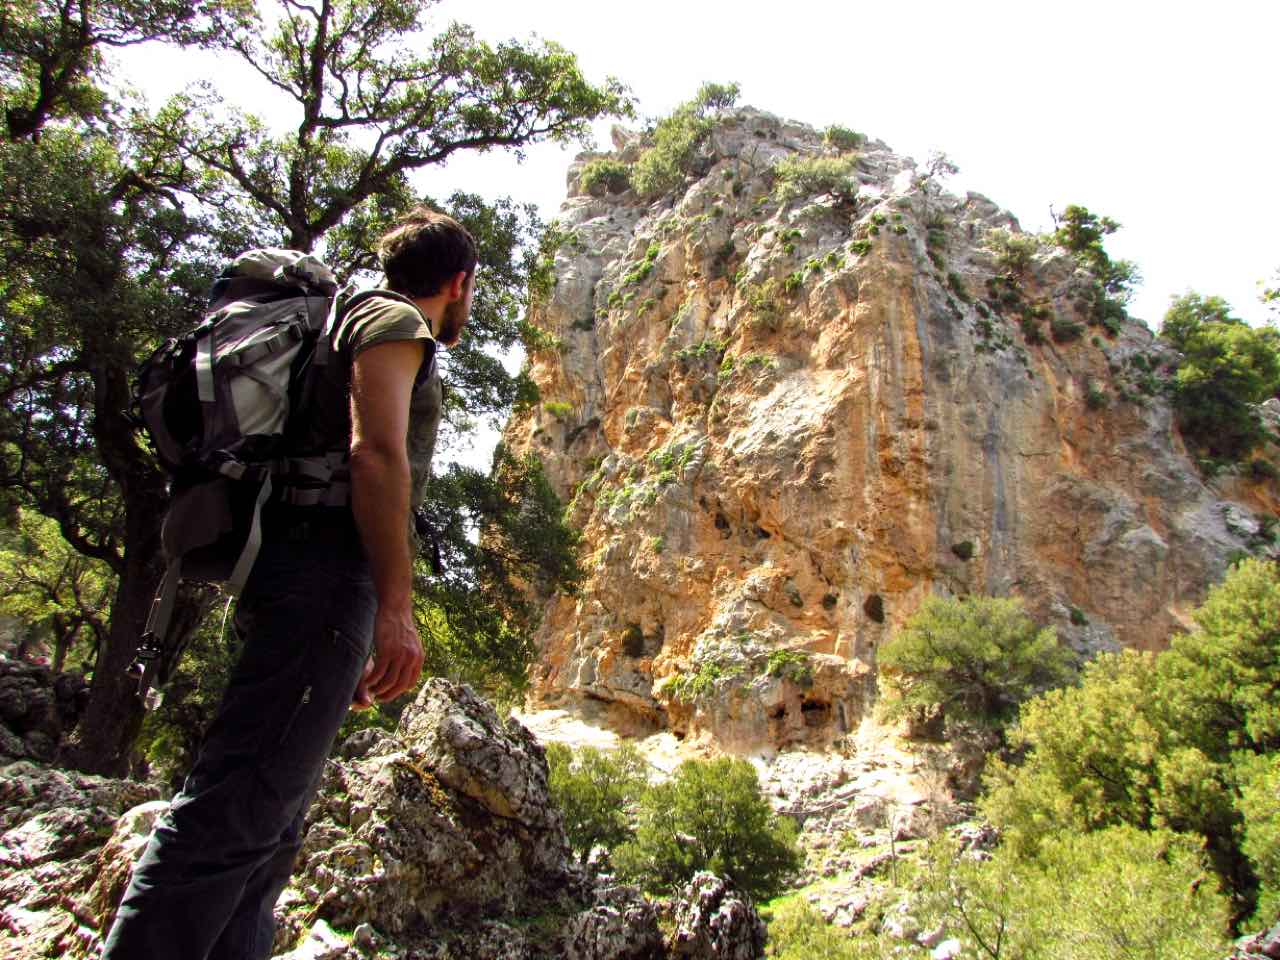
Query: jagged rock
point(620, 924)
point(116, 860)
point(452, 816)
point(52, 826)
point(715, 922)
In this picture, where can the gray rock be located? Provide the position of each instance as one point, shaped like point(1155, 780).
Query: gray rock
point(715, 922)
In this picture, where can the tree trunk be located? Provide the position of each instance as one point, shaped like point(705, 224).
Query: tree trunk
point(103, 738)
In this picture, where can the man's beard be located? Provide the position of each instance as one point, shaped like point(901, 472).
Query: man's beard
point(452, 322)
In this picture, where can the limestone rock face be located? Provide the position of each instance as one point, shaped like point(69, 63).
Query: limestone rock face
point(782, 423)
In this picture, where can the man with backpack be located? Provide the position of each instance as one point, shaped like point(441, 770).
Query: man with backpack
point(332, 582)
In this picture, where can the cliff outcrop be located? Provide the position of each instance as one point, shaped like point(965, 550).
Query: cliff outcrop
point(783, 413)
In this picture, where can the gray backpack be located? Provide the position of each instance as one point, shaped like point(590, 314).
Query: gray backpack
point(224, 407)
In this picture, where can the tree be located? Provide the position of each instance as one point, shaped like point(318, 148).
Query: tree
point(59, 594)
point(1158, 741)
point(596, 790)
point(1189, 313)
point(975, 658)
point(1227, 368)
point(115, 221)
point(710, 816)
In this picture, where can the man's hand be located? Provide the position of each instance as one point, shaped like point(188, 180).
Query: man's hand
point(396, 661)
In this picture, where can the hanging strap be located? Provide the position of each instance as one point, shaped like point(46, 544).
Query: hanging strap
point(151, 644)
point(240, 573)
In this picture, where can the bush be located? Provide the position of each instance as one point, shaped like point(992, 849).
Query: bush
point(676, 139)
point(710, 816)
point(1013, 252)
point(1259, 779)
point(1227, 368)
point(559, 409)
point(605, 175)
point(808, 176)
point(1116, 893)
point(797, 931)
point(596, 792)
point(790, 665)
point(975, 657)
point(843, 139)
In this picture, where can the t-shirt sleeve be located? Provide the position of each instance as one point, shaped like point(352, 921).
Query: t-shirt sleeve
point(378, 321)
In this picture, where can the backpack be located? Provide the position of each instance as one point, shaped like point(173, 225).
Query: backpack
point(225, 406)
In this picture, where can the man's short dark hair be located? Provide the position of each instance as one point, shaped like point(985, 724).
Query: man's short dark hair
point(423, 250)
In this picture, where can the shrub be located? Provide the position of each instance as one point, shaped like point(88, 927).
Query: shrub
point(1013, 252)
point(558, 409)
point(1065, 329)
point(710, 816)
point(964, 549)
point(797, 931)
point(676, 139)
point(808, 176)
point(1259, 779)
point(595, 790)
point(790, 665)
point(1116, 893)
point(605, 175)
point(1227, 368)
point(843, 139)
point(976, 658)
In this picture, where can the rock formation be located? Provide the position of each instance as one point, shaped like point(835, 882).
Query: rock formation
point(440, 840)
point(783, 420)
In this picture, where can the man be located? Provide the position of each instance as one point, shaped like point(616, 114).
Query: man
point(329, 584)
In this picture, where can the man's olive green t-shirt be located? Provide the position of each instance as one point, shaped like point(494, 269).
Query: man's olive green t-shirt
point(384, 320)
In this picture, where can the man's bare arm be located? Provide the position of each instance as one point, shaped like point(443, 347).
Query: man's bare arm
point(381, 386)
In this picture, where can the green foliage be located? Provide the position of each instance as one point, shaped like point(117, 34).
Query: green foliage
point(1227, 368)
point(790, 665)
point(1081, 233)
point(1013, 252)
point(956, 283)
point(964, 549)
point(115, 219)
point(61, 598)
point(645, 266)
point(710, 816)
point(843, 139)
point(559, 409)
point(505, 549)
point(596, 791)
point(676, 139)
point(1156, 741)
point(1190, 312)
point(977, 658)
point(1116, 893)
point(797, 931)
point(690, 687)
point(808, 176)
point(605, 175)
point(1259, 804)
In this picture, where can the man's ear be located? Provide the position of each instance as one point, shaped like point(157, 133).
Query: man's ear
point(457, 285)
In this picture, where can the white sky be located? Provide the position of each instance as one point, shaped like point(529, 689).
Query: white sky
point(1160, 115)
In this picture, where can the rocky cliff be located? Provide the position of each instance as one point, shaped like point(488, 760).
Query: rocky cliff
point(783, 416)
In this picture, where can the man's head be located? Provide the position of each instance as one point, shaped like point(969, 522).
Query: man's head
point(428, 256)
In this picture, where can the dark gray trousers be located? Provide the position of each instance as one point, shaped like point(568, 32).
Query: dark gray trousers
point(210, 876)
